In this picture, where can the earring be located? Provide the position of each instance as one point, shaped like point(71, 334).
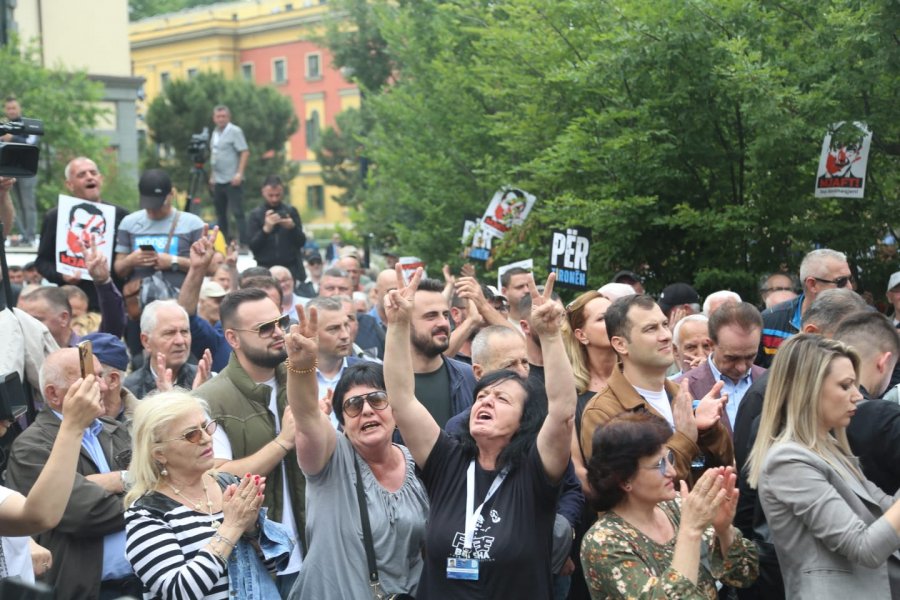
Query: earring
point(627, 488)
point(163, 472)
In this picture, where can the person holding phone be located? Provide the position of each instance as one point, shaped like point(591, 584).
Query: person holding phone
point(275, 231)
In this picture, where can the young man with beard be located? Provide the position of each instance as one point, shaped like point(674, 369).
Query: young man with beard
point(444, 385)
point(248, 400)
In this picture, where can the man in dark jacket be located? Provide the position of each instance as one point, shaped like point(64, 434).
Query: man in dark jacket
point(276, 232)
point(88, 545)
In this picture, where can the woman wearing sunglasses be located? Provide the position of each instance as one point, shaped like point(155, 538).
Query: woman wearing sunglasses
point(393, 505)
point(648, 541)
point(191, 532)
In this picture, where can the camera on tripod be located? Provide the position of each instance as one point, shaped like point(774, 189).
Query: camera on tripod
point(16, 159)
point(198, 147)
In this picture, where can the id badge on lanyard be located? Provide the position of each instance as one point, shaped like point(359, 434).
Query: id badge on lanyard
point(467, 568)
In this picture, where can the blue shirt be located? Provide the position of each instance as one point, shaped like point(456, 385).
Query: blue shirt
point(735, 390)
point(115, 565)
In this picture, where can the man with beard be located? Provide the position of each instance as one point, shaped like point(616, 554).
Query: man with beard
point(248, 400)
point(444, 385)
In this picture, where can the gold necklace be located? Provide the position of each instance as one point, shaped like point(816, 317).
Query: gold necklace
point(195, 503)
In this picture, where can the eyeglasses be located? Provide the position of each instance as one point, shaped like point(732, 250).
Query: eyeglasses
point(195, 435)
point(767, 290)
point(840, 282)
point(663, 465)
point(268, 328)
point(353, 405)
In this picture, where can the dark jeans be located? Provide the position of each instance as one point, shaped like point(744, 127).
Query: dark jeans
point(230, 198)
point(117, 588)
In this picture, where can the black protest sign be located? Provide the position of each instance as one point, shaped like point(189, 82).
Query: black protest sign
point(569, 249)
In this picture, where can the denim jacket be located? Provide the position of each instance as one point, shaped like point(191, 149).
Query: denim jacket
point(251, 575)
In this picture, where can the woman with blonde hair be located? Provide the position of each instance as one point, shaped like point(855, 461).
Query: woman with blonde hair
point(835, 532)
point(192, 532)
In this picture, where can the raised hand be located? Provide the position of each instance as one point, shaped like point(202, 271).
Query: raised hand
point(710, 409)
point(241, 502)
point(725, 515)
point(325, 403)
point(83, 403)
point(546, 314)
point(204, 369)
point(164, 377)
point(302, 341)
point(202, 251)
point(97, 265)
point(701, 505)
point(398, 302)
point(683, 412)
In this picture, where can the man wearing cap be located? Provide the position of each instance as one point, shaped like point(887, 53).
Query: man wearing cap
point(83, 181)
point(309, 288)
point(275, 231)
point(211, 294)
point(820, 270)
point(118, 402)
point(629, 278)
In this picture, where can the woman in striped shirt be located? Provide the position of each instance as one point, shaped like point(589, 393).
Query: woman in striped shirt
point(183, 520)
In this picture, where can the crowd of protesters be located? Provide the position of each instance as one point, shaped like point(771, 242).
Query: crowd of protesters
point(309, 428)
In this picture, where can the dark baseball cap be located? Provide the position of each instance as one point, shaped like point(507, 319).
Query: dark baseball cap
point(313, 256)
point(626, 275)
point(676, 294)
point(109, 350)
point(155, 186)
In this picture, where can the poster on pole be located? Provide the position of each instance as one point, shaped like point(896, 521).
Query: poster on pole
point(509, 207)
point(78, 221)
point(481, 240)
point(527, 264)
point(569, 250)
point(843, 162)
point(409, 264)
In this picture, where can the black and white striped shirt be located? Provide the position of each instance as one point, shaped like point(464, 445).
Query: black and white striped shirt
point(164, 544)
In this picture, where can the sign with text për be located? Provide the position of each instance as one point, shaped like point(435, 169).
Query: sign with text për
point(569, 250)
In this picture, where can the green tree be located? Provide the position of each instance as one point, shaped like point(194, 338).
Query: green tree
point(685, 134)
point(68, 105)
point(140, 9)
point(185, 108)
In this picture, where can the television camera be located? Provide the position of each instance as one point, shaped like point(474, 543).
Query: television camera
point(17, 159)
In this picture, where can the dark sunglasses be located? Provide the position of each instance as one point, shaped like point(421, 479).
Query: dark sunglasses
point(840, 282)
point(353, 405)
point(266, 329)
point(196, 434)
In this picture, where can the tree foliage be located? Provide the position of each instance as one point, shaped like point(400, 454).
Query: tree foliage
point(68, 104)
point(140, 9)
point(685, 134)
point(185, 107)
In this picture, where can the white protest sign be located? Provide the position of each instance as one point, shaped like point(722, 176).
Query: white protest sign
point(843, 162)
point(409, 264)
point(509, 207)
point(78, 220)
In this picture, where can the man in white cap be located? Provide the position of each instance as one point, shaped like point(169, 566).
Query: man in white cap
point(211, 294)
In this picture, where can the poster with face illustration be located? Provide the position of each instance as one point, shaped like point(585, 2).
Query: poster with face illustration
point(843, 161)
point(79, 221)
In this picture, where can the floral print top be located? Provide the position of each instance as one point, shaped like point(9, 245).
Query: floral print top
point(621, 562)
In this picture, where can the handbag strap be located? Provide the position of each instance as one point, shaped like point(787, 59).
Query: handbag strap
point(366, 526)
point(172, 228)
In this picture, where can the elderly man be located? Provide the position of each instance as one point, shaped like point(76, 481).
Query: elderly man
point(88, 545)
point(690, 342)
point(775, 283)
point(717, 299)
point(820, 270)
point(229, 161)
point(118, 402)
point(166, 336)
point(289, 300)
point(84, 181)
point(350, 264)
point(211, 294)
point(309, 288)
point(734, 330)
point(50, 306)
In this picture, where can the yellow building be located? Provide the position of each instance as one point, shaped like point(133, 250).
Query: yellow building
point(269, 43)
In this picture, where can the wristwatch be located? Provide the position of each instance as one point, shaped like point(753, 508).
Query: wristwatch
point(174, 267)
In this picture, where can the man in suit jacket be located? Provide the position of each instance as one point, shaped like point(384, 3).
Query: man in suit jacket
point(734, 330)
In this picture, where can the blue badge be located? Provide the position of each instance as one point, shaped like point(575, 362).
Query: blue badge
point(462, 568)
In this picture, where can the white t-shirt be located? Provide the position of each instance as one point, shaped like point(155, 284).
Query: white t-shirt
point(659, 400)
point(16, 552)
point(222, 451)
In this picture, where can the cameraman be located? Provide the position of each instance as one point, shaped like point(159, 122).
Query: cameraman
point(24, 186)
point(276, 232)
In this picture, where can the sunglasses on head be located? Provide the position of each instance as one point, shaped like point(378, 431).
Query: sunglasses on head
point(353, 405)
point(196, 434)
point(266, 329)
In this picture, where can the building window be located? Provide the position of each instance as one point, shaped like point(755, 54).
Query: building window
point(164, 78)
point(313, 70)
point(191, 73)
point(315, 198)
point(247, 71)
point(279, 70)
point(312, 130)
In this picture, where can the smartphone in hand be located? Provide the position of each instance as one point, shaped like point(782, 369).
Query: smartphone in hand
point(86, 358)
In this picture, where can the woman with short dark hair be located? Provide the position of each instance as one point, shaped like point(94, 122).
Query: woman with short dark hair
point(650, 542)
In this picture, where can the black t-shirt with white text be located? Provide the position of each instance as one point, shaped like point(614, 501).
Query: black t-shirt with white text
point(513, 536)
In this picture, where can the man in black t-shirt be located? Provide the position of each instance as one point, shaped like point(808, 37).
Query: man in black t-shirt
point(444, 385)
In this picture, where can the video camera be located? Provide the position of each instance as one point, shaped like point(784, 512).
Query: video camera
point(20, 160)
point(198, 147)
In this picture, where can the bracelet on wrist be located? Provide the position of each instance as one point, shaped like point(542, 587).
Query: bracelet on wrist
point(218, 537)
point(282, 446)
point(291, 369)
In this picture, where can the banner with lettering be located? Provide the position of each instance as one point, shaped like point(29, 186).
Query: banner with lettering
point(569, 250)
point(78, 221)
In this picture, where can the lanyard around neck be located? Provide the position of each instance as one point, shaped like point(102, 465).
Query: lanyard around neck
point(472, 515)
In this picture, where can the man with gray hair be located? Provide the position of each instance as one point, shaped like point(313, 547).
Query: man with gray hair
point(166, 336)
point(820, 270)
point(229, 160)
point(690, 342)
point(717, 299)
